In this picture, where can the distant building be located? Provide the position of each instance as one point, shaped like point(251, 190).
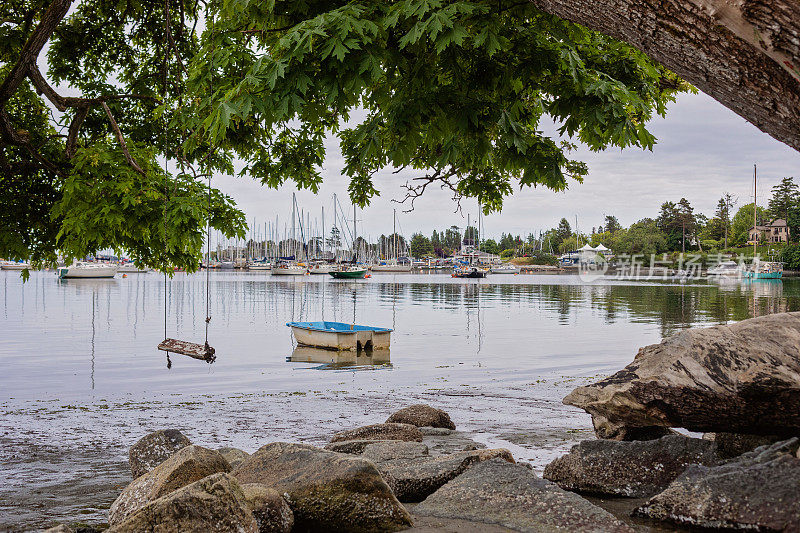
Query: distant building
point(775, 231)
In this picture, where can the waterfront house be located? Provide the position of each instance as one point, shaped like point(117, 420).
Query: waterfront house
point(775, 231)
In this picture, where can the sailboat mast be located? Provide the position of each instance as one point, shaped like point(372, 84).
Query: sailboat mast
point(394, 232)
point(323, 230)
point(294, 213)
point(355, 232)
point(755, 214)
point(335, 222)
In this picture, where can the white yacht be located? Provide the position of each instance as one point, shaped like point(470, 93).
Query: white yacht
point(83, 269)
point(14, 265)
point(321, 268)
point(726, 268)
point(259, 265)
point(504, 269)
point(392, 265)
point(289, 269)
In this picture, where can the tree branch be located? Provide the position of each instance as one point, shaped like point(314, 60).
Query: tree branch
point(9, 133)
point(415, 191)
point(30, 51)
point(74, 129)
point(121, 140)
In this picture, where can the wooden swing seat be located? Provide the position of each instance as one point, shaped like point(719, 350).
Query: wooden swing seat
point(203, 352)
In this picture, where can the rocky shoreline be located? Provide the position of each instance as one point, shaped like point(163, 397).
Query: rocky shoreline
point(416, 471)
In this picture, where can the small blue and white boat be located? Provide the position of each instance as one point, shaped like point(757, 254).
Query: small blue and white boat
point(340, 336)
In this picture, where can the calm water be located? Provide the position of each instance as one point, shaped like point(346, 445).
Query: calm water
point(90, 337)
point(81, 379)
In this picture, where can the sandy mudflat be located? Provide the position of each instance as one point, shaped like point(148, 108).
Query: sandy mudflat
point(66, 460)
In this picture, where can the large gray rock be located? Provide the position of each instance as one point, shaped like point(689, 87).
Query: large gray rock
point(759, 491)
point(393, 450)
point(731, 445)
point(186, 466)
point(498, 492)
point(446, 441)
point(269, 508)
point(413, 475)
point(405, 432)
point(422, 415)
point(327, 491)
point(742, 378)
point(234, 456)
point(629, 468)
point(153, 449)
point(605, 430)
point(355, 447)
point(214, 504)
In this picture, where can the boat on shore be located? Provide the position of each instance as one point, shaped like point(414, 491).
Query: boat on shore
point(83, 269)
point(340, 336)
point(14, 265)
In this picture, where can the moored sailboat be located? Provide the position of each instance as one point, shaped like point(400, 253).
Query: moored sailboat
point(760, 269)
point(82, 269)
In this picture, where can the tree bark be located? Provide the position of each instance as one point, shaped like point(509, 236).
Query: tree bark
point(30, 51)
point(743, 53)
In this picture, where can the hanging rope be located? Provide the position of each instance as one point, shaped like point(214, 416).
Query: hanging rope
point(166, 151)
point(202, 352)
point(208, 197)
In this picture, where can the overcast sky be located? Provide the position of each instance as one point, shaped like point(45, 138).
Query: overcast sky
point(703, 151)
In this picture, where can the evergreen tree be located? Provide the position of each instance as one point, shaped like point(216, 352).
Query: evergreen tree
point(421, 246)
point(723, 213)
point(611, 224)
point(686, 219)
point(563, 232)
point(784, 196)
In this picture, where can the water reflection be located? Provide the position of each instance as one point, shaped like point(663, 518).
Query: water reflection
point(331, 359)
point(100, 335)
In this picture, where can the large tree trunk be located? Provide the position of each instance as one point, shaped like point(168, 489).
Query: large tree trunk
point(743, 53)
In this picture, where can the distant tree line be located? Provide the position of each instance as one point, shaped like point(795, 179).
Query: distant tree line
point(676, 228)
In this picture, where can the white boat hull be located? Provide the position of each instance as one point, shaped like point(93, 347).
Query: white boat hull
point(15, 266)
point(505, 271)
point(259, 267)
point(72, 272)
point(342, 340)
point(288, 271)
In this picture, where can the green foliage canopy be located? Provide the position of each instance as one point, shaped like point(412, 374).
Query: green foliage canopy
point(455, 90)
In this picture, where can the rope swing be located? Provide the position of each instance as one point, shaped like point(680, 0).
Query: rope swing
point(203, 352)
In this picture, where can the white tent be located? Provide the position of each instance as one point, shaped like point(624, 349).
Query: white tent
point(602, 249)
point(586, 248)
